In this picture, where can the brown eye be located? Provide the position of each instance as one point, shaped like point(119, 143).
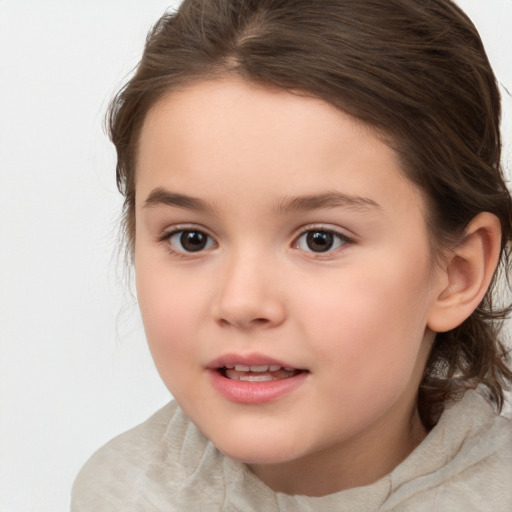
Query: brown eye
point(190, 240)
point(319, 240)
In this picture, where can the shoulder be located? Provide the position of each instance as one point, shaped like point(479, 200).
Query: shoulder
point(119, 471)
point(165, 464)
point(464, 464)
point(131, 446)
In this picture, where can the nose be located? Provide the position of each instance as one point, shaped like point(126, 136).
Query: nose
point(249, 295)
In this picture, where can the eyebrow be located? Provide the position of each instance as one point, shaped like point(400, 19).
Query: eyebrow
point(325, 200)
point(162, 197)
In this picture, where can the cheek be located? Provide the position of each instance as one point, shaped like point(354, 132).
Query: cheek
point(168, 311)
point(373, 320)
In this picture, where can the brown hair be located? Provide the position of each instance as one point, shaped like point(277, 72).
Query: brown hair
point(415, 70)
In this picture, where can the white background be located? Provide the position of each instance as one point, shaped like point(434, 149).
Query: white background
point(74, 367)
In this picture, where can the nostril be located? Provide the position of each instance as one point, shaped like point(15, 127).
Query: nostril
point(260, 321)
point(255, 322)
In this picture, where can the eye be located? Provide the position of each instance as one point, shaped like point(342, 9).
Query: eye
point(320, 240)
point(190, 240)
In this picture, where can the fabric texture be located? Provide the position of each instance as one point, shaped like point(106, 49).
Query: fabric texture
point(166, 464)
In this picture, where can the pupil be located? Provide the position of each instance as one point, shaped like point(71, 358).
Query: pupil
point(193, 241)
point(319, 241)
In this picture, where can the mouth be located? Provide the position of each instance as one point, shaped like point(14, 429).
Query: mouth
point(254, 379)
point(257, 373)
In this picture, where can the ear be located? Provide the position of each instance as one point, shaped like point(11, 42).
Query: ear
point(466, 273)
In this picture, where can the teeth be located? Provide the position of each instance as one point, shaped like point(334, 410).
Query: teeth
point(252, 375)
point(257, 368)
point(256, 378)
point(262, 368)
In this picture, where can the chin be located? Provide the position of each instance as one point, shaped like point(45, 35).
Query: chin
point(254, 450)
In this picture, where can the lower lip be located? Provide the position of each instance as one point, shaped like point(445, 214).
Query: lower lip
point(244, 392)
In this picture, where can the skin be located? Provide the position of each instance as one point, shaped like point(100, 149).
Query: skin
point(355, 317)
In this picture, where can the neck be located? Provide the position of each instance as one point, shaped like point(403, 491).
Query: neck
point(354, 463)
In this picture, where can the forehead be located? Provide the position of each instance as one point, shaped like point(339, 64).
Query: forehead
point(230, 133)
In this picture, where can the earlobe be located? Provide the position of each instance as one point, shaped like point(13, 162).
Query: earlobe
point(467, 273)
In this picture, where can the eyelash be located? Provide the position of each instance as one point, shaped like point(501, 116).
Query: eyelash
point(342, 240)
point(181, 230)
point(328, 235)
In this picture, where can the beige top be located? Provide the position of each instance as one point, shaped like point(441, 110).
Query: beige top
point(166, 464)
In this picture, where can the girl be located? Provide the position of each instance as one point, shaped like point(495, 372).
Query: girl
point(316, 214)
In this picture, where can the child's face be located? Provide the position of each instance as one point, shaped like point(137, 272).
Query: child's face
point(271, 229)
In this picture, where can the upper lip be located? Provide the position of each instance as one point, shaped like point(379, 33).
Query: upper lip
point(247, 360)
